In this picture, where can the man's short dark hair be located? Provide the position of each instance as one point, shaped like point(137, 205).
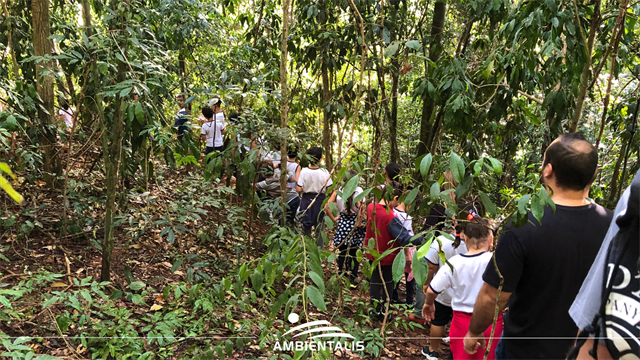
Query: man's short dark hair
point(315, 154)
point(293, 151)
point(574, 161)
point(207, 112)
point(393, 171)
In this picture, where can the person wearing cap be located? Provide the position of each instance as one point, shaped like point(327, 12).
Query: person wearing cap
point(215, 104)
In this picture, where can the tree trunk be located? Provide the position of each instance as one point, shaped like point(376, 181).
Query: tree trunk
point(42, 46)
point(14, 61)
point(584, 82)
point(435, 49)
point(284, 108)
point(112, 146)
point(326, 125)
point(614, 55)
point(393, 123)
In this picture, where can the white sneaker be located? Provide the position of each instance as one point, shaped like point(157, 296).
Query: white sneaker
point(446, 340)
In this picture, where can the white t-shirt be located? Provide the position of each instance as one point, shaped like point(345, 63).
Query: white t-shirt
point(465, 279)
point(213, 131)
point(340, 202)
point(311, 180)
point(432, 256)
point(292, 167)
point(67, 115)
point(406, 219)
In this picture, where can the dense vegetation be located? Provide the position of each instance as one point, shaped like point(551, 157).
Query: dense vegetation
point(117, 239)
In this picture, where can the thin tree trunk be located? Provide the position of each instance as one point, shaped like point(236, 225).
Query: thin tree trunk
point(614, 55)
point(435, 50)
point(14, 61)
point(634, 125)
point(326, 124)
point(393, 123)
point(284, 108)
point(42, 46)
point(112, 145)
point(584, 82)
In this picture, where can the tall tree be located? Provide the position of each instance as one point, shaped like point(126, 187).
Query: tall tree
point(284, 108)
point(584, 82)
point(42, 46)
point(435, 49)
point(326, 96)
point(112, 142)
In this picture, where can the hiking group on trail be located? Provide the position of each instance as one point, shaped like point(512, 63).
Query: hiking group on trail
point(531, 295)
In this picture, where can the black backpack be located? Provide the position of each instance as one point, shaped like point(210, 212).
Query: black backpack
point(619, 316)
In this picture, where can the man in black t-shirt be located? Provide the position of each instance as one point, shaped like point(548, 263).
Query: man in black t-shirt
point(544, 264)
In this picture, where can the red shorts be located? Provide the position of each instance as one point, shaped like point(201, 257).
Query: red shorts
point(460, 327)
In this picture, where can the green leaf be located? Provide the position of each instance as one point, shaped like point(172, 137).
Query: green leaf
point(350, 187)
point(488, 204)
point(435, 190)
point(257, 280)
point(413, 44)
point(420, 269)
point(316, 298)
point(555, 22)
point(488, 69)
point(551, 4)
point(497, 166)
point(546, 200)
point(477, 167)
point(424, 249)
point(4, 301)
point(52, 300)
point(391, 50)
point(457, 167)
point(425, 165)
point(523, 203)
point(361, 195)
point(176, 265)
point(397, 270)
point(317, 279)
point(139, 112)
point(228, 347)
point(171, 236)
point(411, 196)
point(537, 208)
point(4, 184)
point(137, 285)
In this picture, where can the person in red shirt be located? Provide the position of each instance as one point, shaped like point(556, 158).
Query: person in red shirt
point(387, 231)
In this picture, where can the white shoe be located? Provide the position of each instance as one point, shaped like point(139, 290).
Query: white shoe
point(446, 340)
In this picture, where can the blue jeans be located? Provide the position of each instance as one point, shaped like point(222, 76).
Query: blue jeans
point(502, 353)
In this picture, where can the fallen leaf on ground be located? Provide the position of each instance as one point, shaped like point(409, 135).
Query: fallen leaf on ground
point(59, 284)
point(156, 307)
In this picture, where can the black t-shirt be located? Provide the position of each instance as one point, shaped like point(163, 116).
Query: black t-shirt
point(543, 267)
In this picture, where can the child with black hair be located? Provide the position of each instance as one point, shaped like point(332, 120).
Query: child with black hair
point(401, 211)
point(313, 183)
point(182, 117)
point(391, 173)
point(387, 232)
point(212, 131)
point(350, 230)
point(450, 248)
point(465, 282)
point(293, 172)
point(269, 188)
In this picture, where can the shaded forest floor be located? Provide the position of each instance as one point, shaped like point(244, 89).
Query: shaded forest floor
point(43, 264)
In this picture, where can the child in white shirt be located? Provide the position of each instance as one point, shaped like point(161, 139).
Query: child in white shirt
point(313, 183)
point(466, 281)
point(213, 130)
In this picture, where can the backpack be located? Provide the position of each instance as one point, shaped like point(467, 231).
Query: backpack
point(619, 313)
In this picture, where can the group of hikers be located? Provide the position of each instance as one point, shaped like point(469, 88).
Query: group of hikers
point(545, 284)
